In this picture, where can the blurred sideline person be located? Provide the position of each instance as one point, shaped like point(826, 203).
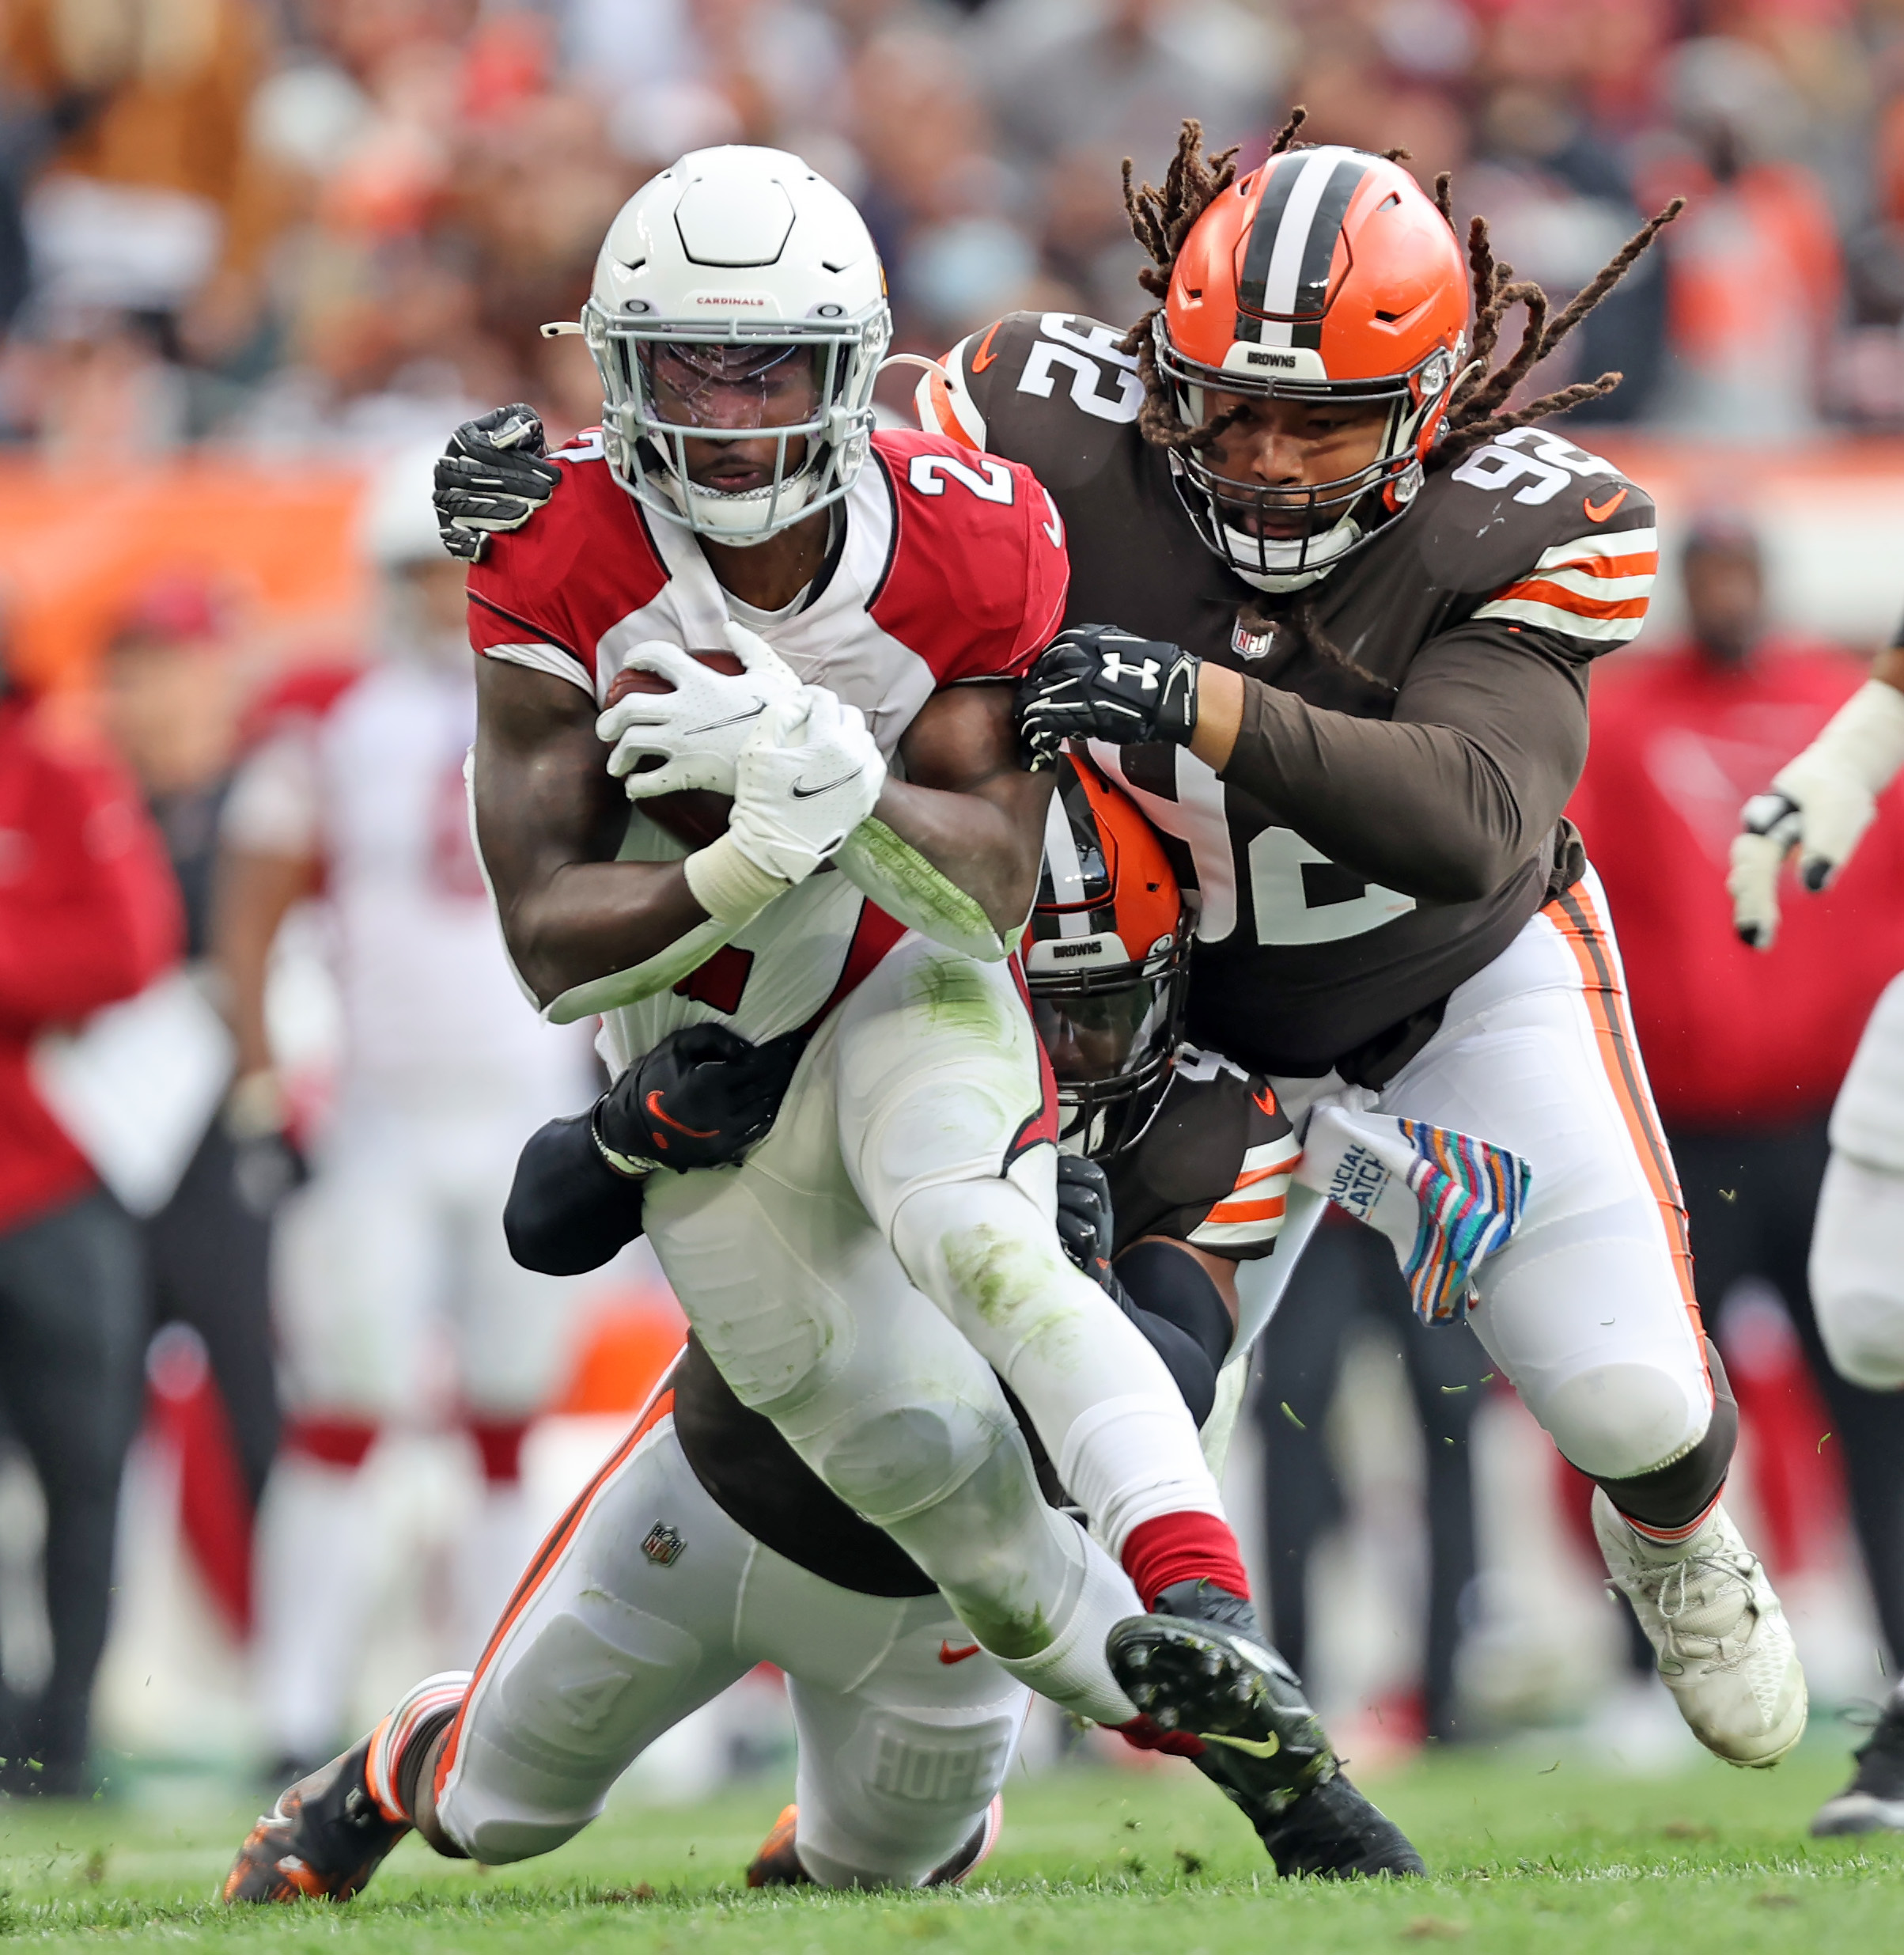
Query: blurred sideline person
point(89, 916)
point(1347, 1282)
point(170, 695)
point(1176, 1165)
point(1815, 813)
point(390, 1269)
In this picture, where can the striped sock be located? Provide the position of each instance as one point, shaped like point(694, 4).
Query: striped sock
point(398, 1742)
point(1668, 1536)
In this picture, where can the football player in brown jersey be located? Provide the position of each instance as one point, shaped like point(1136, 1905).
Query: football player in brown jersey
point(1350, 678)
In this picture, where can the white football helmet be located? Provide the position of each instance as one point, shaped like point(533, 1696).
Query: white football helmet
point(738, 296)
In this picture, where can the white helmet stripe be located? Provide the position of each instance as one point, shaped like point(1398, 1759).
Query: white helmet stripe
point(1284, 277)
point(1066, 868)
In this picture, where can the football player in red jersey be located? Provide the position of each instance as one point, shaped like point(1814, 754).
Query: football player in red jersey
point(836, 838)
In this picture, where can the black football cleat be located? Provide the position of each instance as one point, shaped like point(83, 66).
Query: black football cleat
point(1874, 1801)
point(1198, 1667)
point(778, 1865)
point(322, 1841)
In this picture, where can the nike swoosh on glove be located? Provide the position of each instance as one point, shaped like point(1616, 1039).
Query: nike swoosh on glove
point(1095, 682)
point(800, 788)
point(701, 1099)
point(491, 477)
point(697, 731)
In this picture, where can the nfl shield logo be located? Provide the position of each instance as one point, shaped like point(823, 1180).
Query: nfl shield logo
point(663, 1545)
point(1252, 645)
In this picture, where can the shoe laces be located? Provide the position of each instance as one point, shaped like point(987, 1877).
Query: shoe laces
point(1683, 1598)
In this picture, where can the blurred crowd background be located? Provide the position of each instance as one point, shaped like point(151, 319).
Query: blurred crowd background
point(289, 225)
point(250, 250)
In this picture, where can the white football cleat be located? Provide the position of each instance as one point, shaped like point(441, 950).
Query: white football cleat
point(1725, 1651)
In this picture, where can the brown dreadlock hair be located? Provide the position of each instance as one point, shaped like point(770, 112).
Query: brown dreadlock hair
point(1161, 218)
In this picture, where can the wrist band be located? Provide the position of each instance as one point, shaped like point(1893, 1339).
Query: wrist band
point(632, 1167)
point(731, 889)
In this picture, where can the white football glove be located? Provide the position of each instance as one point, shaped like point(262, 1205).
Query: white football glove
point(803, 785)
point(1820, 804)
point(699, 728)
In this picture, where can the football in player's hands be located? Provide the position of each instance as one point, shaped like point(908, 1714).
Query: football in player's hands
point(491, 477)
point(631, 680)
point(693, 815)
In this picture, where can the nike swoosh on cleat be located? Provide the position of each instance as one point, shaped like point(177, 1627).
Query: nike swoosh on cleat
point(1255, 1747)
point(1599, 512)
point(948, 1654)
point(826, 787)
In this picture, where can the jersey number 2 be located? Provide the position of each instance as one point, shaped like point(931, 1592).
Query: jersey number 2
point(929, 473)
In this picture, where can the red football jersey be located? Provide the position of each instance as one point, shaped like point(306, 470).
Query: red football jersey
point(948, 569)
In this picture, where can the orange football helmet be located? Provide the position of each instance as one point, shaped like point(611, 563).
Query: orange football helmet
point(1327, 275)
point(1107, 961)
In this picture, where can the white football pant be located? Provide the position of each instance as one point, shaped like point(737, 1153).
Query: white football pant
point(1589, 1309)
point(888, 1244)
point(647, 1602)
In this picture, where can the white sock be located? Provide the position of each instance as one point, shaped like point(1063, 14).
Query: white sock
point(1071, 1672)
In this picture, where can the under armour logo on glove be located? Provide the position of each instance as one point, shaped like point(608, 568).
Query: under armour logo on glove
point(1146, 674)
point(1094, 682)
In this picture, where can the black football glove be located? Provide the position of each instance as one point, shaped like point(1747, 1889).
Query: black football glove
point(1094, 682)
point(1084, 1222)
point(700, 1099)
point(491, 477)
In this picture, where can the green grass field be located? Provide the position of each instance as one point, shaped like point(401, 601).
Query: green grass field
point(1093, 1862)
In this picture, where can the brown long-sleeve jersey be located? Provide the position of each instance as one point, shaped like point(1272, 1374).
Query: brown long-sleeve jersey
point(1415, 722)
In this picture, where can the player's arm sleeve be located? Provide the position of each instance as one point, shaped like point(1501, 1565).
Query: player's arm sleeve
point(1244, 1223)
point(956, 401)
point(569, 1211)
point(498, 631)
point(1447, 798)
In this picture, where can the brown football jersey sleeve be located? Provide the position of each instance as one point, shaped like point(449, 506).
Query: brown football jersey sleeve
point(1212, 1169)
